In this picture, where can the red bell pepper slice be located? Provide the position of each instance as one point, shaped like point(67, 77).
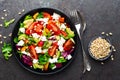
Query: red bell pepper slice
point(46, 15)
point(63, 33)
point(68, 45)
point(62, 19)
point(52, 26)
point(29, 29)
point(52, 51)
point(33, 52)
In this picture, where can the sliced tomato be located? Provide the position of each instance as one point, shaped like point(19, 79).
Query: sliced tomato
point(63, 33)
point(40, 43)
point(46, 15)
point(33, 52)
point(55, 44)
point(52, 50)
point(62, 19)
point(29, 29)
point(38, 28)
point(68, 45)
point(52, 26)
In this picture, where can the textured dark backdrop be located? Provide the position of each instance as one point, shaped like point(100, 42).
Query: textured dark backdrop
point(100, 15)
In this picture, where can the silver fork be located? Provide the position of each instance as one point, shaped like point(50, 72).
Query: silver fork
point(80, 27)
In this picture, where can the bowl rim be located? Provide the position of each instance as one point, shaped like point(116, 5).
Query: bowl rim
point(103, 37)
point(15, 53)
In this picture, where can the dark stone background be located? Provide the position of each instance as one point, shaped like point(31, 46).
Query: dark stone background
point(100, 15)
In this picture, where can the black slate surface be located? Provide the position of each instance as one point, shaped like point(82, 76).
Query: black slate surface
point(100, 15)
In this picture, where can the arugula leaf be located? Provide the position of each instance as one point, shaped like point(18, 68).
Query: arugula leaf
point(7, 23)
point(28, 17)
point(61, 60)
point(52, 65)
point(21, 24)
point(6, 50)
point(43, 59)
point(40, 15)
point(15, 40)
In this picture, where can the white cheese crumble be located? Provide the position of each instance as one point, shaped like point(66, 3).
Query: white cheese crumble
point(35, 35)
point(43, 38)
point(61, 41)
point(38, 49)
point(26, 53)
point(61, 48)
point(53, 67)
point(35, 60)
point(53, 60)
point(56, 16)
point(69, 57)
point(63, 27)
point(45, 20)
point(22, 30)
point(20, 43)
point(44, 50)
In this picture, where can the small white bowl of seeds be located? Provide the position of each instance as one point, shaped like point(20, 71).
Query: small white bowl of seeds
point(100, 48)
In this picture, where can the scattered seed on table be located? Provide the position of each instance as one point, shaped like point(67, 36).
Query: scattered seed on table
point(112, 58)
point(102, 63)
point(10, 35)
point(4, 10)
point(19, 13)
point(0, 35)
point(0, 42)
point(5, 14)
point(23, 10)
point(103, 33)
point(107, 34)
point(113, 47)
point(110, 34)
point(1, 25)
point(2, 18)
point(4, 37)
point(114, 50)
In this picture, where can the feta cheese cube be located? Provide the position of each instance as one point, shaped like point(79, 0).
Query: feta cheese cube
point(43, 38)
point(38, 49)
point(45, 50)
point(45, 20)
point(61, 41)
point(35, 35)
point(35, 60)
point(22, 30)
point(61, 48)
point(26, 53)
point(56, 16)
point(20, 43)
point(69, 57)
point(54, 60)
point(63, 27)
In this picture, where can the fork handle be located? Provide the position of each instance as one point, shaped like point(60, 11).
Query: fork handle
point(87, 65)
point(86, 62)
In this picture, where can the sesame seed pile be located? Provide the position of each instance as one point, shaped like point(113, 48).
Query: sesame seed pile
point(100, 48)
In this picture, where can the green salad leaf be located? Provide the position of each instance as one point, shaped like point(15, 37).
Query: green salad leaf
point(28, 17)
point(43, 59)
point(7, 23)
point(40, 15)
point(16, 40)
point(21, 24)
point(6, 50)
point(61, 60)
